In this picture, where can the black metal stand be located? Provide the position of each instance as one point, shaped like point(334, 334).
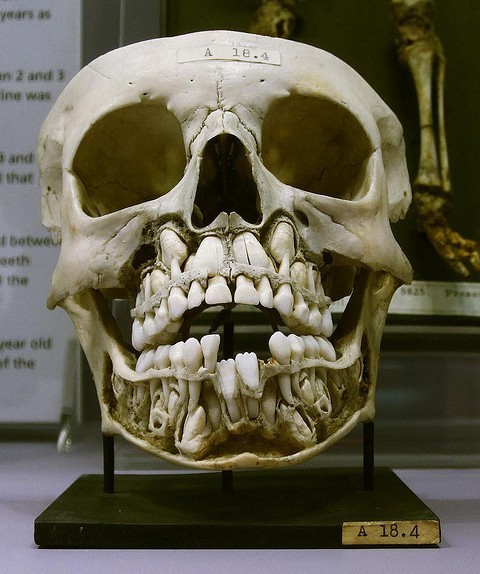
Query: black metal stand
point(108, 464)
point(368, 455)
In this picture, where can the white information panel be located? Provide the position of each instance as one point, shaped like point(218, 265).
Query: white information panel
point(39, 54)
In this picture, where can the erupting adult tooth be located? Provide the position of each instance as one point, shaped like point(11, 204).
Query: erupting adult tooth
point(195, 424)
point(306, 392)
point(145, 361)
point(298, 272)
point(310, 278)
point(217, 291)
point(265, 292)
point(326, 349)
point(327, 321)
point(210, 345)
point(249, 251)
point(280, 349)
point(282, 242)
point(157, 280)
point(177, 303)
point(196, 295)
point(139, 339)
point(253, 408)
point(227, 372)
point(210, 255)
point(245, 292)
point(172, 247)
point(315, 320)
point(247, 367)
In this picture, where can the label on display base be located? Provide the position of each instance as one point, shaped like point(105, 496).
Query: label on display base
point(391, 533)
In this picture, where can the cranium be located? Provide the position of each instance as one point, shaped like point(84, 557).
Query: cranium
point(222, 169)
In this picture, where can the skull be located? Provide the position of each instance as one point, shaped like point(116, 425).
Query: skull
point(226, 169)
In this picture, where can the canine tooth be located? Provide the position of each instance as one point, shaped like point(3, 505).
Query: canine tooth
point(298, 272)
point(315, 320)
point(326, 349)
point(245, 292)
point(157, 280)
point(327, 321)
point(249, 251)
point(265, 292)
point(196, 295)
point(147, 285)
point(253, 408)
point(172, 247)
point(139, 339)
point(282, 241)
point(149, 327)
point(195, 424)
point(177, 303)
point(210, 345)
point(227, 372)
point(210, 255)
point(145, 361)
point(161, 315)
point(300, 309)
point(175, 270)
point(247, 367)
point(162, 360)
point(280, 348)
point(283, 300)
point(217, 291)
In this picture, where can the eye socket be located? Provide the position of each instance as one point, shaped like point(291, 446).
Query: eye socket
point(132, 155)
point(316, 145)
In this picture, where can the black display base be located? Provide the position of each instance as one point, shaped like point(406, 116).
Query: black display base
point(260, 509)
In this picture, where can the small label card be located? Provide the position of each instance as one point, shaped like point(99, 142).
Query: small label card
point(251, 54)
point(391, 533)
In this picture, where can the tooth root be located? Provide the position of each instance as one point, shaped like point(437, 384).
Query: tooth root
point(269, 403)
point(249, 251)
point(194, 390)
point(245, 292)
point(315, 320)
point(265, 292)
point(217, 291)
point(210, 255)
point(214, 411)
point(227, 372)
point(327, 323)
point(149, 326)
point(145, 361)
point(177, 303)
point(247, 368)
point(298, 272)
point(172, 247)
point(253, 408)
point(157, 280)
point(196, 295)
point(280, 348)
point(285, 386)
point(139, 339)
point(161, 360)
point(210, 345)
point(195, 424)
point(282, 241)
point(192, 355)
point(326, 349)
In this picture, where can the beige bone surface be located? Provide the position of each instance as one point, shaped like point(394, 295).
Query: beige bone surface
point(420, 49)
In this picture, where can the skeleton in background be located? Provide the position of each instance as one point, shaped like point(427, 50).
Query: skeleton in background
point(216, 170)
point(275, 18)
point(420, 49)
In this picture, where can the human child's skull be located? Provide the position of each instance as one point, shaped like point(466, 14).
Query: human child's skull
point(226, 169)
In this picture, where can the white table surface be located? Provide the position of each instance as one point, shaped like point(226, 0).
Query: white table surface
point(33, 475)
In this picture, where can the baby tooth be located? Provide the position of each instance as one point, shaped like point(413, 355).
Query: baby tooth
point(210, 255)
point(297, 347)
point(298, 272)
point(139, 339)
point(176, 355)
point(315, 321)
point(326, 349)
point(217, 291)
point(177, 303)
point(196, 295)
point(172, 247)
point(247, 367)
point(327, 321)
point(300, 309)
point(192, 355)
point(226, 370)
point(210, 345)
point(265, 292)
point(253, 408)
point(282, 241)
point(249, 251)
point(280, 348)
point(145, 361)
point(245, 292)
point(285, 386)
point(149, 326)
point(157, 280)
point(283, 300)
point(162, 360)
point(161, 316)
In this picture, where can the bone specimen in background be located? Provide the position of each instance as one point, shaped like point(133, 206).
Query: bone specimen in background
point(275, 18)
point(420, 49)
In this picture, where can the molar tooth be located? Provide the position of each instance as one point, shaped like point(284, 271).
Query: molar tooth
point(145, 361)
point(196, 295)
point(245, 292)
point(157, 280)
point(265, 292)
point(217, 291)
point(282, 241)
point(177, 303)
point(249, 251)
point(247, 367)
point(172, 247)
point(210, 255)
point(227, 372)
point(280, 348)
point(162, 360)
point(139, 339)
point(326, 349)
point(210, 345)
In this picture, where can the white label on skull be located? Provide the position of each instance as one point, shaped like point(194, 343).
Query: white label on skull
point(225, 52)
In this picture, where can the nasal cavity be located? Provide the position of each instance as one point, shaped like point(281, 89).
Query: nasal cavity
point(225, 183)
